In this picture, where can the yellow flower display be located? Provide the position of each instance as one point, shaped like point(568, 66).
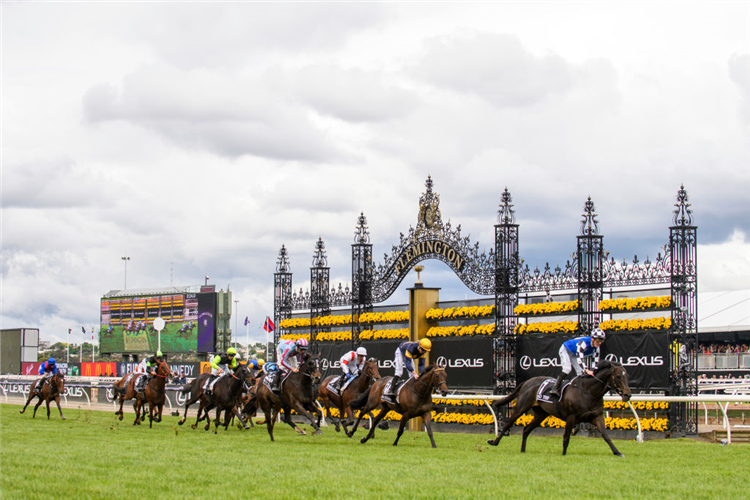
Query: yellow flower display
point(546, 308)
point(346, 319)
point(636, 304)
point(449, 331)
point(547, 327)
point(398, 333)
point(619, 325)
point(460, 313)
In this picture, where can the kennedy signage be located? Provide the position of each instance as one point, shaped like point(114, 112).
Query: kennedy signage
point(642, 354)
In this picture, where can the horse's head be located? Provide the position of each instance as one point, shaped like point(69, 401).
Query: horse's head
point(246, 374)
point(163, 370)
point(311, 367)
point(59, 381)
point(617, 378)
point(371, 369)
point(439, 378)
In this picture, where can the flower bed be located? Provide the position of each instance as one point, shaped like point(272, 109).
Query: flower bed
point(397, 333)
point(621, 325)
point(546, 308)
point(474, 312)
point(458, 331)
point(636, 304)
point(548, 327)
point(346, 319)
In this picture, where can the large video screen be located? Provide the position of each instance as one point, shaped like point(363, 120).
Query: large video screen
point(127, 323)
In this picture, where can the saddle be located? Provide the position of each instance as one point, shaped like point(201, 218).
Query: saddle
point(268, 381)
point(543, 393)
point(333, 385)
point(387, 391)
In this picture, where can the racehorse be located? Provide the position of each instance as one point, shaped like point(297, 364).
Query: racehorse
point(415, 400)
point(225, 397)
point(581, 401)
point(297, 392)
point(125, 390)
point(50, 391)
point(353, 391)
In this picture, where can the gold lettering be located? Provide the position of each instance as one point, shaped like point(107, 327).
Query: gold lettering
point(429, 246)
point(437, 247)
point(451, 255)
point(459, 262)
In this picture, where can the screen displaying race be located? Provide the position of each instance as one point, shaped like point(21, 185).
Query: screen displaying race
point(127, 323)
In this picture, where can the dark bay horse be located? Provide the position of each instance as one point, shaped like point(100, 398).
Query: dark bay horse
point(581, 402)
point(50, 391)
point(154, 393)
point(353, 391)
point(225, 397)
point(415, 400)
point(297, 392)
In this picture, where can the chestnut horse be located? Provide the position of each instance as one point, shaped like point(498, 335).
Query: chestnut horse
point(353, 391)
point(50, 391)
point(297, 392)
point(581, 402)
point(154, 394)
point(414, 400)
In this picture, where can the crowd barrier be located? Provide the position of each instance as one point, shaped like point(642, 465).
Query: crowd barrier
point(724, 361)
point(737, 391)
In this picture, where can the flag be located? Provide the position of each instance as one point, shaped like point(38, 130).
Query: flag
point(247, 320)
point(268, 325)
point(83, 329)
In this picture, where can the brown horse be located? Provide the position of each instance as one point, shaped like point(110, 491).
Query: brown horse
point(50, 391)
point(415, 400)
point(154, 392)
point(297, 392)
point(581, 402)
point(353, 391)
point(225, 398)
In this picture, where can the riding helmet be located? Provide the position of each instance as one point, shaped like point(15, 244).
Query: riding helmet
point(598, 333)
point(425, 344)
point(302, 343)
point(231, 351)
point(361, 351)
point(159, 354)
point(51, 361)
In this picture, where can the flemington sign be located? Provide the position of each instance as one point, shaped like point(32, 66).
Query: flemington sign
point(426, 249)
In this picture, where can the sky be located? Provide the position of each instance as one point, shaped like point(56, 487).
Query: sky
point(197, 138)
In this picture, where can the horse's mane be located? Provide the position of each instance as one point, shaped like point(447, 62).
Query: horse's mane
point(606, 364)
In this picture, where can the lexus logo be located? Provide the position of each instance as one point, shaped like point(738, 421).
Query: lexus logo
point(324, 364)
point(441, 361)
point(525, 362)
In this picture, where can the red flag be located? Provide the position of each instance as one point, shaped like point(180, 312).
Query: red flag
point(268, 325)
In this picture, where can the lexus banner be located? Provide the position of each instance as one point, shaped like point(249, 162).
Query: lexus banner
point(644, 356)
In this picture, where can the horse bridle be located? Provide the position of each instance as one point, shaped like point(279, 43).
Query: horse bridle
point(608, 381)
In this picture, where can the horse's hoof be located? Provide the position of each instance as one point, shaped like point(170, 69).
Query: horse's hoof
point(180, 422)
point(620, 455)
point(194, 426)
point(318, 432)
point(63, 418)
point(120, 416)
point(337, 429)
point(363, 440)
point(492, 442)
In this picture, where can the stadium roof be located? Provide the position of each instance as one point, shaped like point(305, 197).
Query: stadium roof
point(135, 292)
point(724, 311)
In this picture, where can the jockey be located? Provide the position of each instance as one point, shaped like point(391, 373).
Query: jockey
point(572, 353)
point(288, 354)
point(48, 369)
point(352, 364)
point(406, 353)
point(148, 366)
point(221, 365)
point(257, 365)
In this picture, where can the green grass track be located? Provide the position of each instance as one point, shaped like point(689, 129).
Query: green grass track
point(92, 455)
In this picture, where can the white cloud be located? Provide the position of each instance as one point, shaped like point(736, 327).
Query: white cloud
point(724, 266)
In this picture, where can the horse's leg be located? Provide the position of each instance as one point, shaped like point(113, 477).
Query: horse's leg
point(217, 420)
point(236, 413)
point(428, 423)
point(198, 415)
point(381, 416)
point(38, 404)
point(31, 396)
point(570, 423)
point(46, 400)
point(599, 422)
point(137, 407)
point(122, 401)
point(519, 410)
point(159, 409)
point(539, 416)
point(401, 427)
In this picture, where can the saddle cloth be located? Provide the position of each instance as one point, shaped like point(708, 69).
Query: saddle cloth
point(268, 380)
point(387, 390)
point(543, 393)
point(333, 385)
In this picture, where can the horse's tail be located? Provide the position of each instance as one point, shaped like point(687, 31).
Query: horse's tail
point(119, 390)
point(361, 401)
point(507, 399)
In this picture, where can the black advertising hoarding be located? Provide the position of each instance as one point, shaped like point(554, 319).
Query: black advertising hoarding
point(468, 360)
point(206, 322)
point(642, 354)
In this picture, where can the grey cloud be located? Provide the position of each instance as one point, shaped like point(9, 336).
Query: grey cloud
point(225, 115)
point(352, 95)
point(495, 67)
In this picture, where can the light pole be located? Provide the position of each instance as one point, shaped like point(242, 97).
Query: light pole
point(235, 316)
point(126, 259)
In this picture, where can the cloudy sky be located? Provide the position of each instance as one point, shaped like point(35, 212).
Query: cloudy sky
point(197, 138)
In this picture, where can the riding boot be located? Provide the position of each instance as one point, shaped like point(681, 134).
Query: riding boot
point(556, 390)
point(394, 385)
point(342, 381)
point(276, 382)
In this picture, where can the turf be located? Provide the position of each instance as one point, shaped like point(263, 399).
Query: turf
point(93, 455)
